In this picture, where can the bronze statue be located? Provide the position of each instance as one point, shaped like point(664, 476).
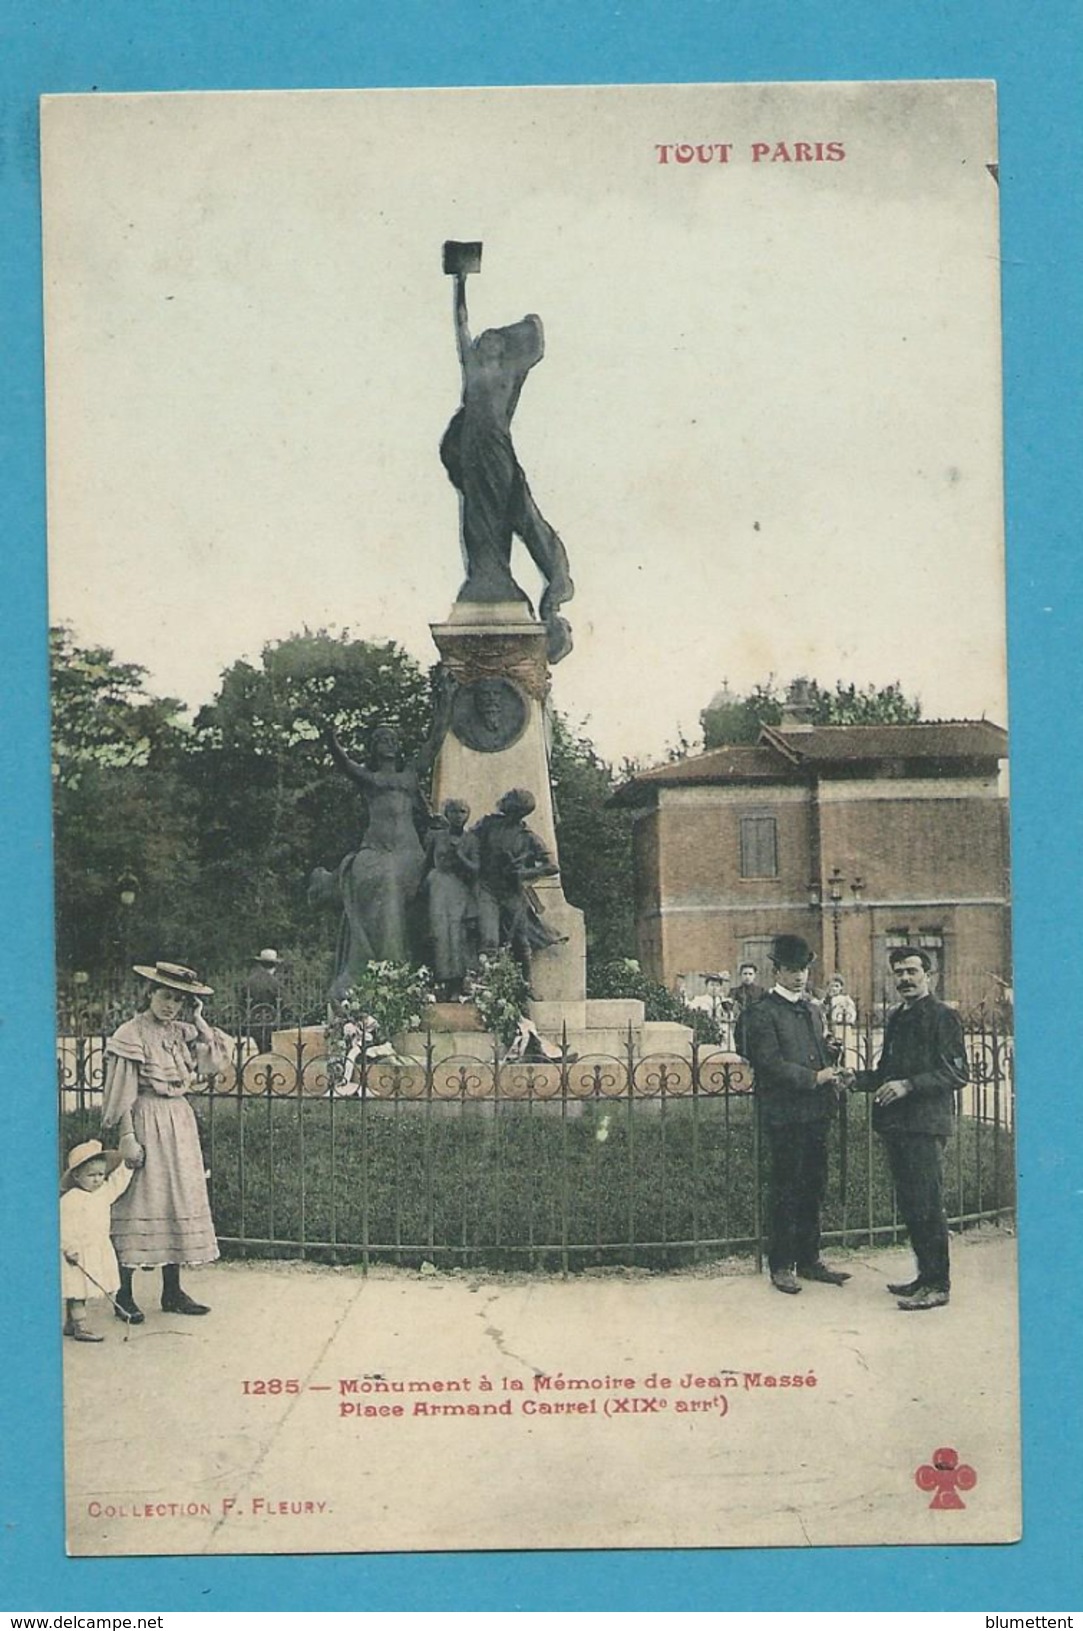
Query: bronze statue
point(478, 455)
point(378, 883)
point(450, 887)
point(511, 857)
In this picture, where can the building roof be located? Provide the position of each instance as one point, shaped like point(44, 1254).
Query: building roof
point(781, 755)
point(939, 739)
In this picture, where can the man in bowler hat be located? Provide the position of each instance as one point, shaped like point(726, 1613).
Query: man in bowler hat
point(921, 1068)
point(798, 1082)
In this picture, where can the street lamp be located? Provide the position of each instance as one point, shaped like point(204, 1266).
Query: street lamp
point(834, 894)
point(836, 890)
point(127, 891)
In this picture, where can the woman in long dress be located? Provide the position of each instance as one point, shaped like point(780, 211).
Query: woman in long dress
point(163, 1220)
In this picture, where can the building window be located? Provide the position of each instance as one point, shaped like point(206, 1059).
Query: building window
point(759, 846)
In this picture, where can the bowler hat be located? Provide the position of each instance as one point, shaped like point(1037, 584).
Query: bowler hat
point(791, 951)
point(81, 1154)
point(175, 976)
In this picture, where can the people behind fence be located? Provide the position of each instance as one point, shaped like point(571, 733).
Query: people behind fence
point(799, 1083)
point(93, 1180)
point(914, 1085)
point(840, 1009)
point(748, 988)
point(450, 885)
point(715, 1001)
point(263, 1000)
point(163, 1219)
point(840, 1020)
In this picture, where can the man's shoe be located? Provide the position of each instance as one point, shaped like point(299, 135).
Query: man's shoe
point(821, 1272)
point(909, 1288)
point(125, 1309)
point(785, 1280)
point(179, 1302)
point(927, 1297)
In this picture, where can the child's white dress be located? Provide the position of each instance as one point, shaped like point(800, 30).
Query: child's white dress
point(84, 1228)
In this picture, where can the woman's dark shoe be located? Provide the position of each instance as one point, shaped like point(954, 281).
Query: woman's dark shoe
point(909, 1289)
point(127, 1309)
point(179, 1302)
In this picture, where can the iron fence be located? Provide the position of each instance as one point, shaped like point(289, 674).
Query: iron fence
point(642, 1160)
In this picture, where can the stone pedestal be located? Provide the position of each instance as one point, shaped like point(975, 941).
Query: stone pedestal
point(498, 740)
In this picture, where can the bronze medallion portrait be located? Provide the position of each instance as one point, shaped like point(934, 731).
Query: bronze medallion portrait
point(489, 715)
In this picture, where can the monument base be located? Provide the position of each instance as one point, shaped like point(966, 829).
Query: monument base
point(498, 739)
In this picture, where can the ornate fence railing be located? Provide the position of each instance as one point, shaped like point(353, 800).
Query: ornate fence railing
point(470, 1160)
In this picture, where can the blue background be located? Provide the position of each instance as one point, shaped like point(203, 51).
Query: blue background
point(1034, 54)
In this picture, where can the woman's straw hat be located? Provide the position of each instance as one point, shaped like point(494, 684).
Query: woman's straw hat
point(176, 977)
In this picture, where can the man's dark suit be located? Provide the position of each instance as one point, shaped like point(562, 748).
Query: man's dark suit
point(784, 1042)
point(923, 1045)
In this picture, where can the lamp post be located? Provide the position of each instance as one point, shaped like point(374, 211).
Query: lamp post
point(127, 893)
point(834, 895)
point(836, 891)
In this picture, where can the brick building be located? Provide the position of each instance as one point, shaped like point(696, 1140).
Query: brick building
point(856, 836)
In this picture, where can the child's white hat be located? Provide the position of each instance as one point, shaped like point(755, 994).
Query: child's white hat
point(81, 1154)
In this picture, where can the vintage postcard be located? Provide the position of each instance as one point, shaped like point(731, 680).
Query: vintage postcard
point(535, 1026)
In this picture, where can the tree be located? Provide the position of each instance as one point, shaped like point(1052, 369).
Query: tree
point(730, 719)
point(123, 819)
point(101, 715)
point(271, 807)
point(595, 845)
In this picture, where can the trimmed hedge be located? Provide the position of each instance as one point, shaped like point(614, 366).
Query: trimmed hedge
point(518, 1186)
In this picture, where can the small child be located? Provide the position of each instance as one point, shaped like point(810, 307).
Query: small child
point(93, 1180)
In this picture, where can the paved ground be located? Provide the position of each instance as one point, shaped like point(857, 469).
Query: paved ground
point(258, 1428)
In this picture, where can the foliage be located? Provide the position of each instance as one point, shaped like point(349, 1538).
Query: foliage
point(624, 978)
point(101, 714)
point(124, 816)
point(215, 828)
point(271, 807)
point(499, 991)
point(393, 994)
point(595, 843)
point(738, 719)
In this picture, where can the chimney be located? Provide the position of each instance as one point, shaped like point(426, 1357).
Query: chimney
point(797, 710)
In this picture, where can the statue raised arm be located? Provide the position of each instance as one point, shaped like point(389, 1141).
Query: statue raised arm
point(478, 456)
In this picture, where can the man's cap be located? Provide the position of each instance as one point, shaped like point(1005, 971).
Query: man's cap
point(897, 954)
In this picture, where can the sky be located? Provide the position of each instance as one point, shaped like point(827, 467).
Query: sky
point(767, 424)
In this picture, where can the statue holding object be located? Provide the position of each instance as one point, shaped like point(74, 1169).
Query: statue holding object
point(511, 858)
point(477, 453)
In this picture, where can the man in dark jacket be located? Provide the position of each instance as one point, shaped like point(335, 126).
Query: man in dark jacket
point(263, 1000)
point(797, 1082)
point(921, 1068)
